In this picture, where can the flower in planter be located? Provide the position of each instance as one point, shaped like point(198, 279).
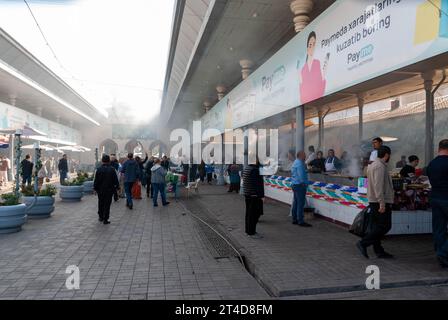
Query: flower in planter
point(49, 191)
point(75, 182)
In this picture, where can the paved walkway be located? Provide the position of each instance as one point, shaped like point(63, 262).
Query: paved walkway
point(295, 261)
point(173, 253)
point(147, 253)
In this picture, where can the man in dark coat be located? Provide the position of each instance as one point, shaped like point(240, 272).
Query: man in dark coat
point(253, 187)
point(131, 170)
point(63, 168)
point(105, 184)
point(27, 170)
point(116, 165)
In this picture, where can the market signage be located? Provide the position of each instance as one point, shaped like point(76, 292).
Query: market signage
point(12, 118)
point(351, 42)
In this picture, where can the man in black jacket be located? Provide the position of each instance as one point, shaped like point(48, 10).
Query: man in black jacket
point(63, 169)
point(27, 170)
point(105, 184)
point(437, 171)
point(114, 163)
point(253, 187)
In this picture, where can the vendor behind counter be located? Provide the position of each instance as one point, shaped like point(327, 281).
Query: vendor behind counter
point(408, 170)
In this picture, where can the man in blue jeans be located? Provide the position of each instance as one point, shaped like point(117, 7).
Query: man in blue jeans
point(299, 184)
point(437, 172)
point(131, 170)
point(158, 183)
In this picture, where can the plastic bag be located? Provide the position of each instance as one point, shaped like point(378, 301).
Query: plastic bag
point(361, 223)
point(136, 190)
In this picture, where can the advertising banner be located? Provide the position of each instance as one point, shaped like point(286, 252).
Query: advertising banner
point(351, 42)
point(13, 118)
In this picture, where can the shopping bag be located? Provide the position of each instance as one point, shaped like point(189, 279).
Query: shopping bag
point(136, 190)
point(361, 223)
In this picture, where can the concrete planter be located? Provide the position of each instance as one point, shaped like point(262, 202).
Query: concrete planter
point(42, 209)
point(12, 218)
point(71, 193)
point(88, 187)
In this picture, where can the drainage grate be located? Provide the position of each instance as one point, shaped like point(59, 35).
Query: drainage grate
point(216, 245)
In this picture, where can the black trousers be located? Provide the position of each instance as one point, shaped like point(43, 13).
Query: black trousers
point(209, 177)
point(379, 225)
point(104, 202)
point(234, 187)
point(254, 209)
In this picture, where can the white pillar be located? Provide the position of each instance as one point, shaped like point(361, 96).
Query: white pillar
point(301, 10)
point(246, 66)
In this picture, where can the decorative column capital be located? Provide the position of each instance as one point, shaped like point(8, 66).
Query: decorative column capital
point(12, 100)
point(221, 89)
point(301, 10)
point(361, 99)
point(246, 66)
point(428, 78)
point(207, 105)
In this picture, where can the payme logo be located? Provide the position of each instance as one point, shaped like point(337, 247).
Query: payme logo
point(268, 82)
point(431, 21)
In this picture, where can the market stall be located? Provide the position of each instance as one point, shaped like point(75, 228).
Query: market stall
point(341, 203)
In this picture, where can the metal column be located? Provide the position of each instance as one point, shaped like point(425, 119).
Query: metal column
point(429, 123)
point(320, 131)
point(361, 117)
point(300, 128)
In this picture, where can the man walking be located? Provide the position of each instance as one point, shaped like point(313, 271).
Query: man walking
point(27, 170)
point(158, 174)
point(131, 173)
point(438, 177)
point(299, 183)
point(380, 193)
point(105, 185)
point(63, 169)
point(4, 166)
point(253, 188)
point(114, 164)
point(148, 167)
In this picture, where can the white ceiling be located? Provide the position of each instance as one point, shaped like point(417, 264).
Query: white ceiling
point(24, 63)
point(235, 30)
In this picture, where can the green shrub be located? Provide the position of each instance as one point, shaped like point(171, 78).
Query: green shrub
point(9, 199)
point(27, 191)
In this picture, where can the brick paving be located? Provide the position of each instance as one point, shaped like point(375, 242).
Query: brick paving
point(146, 253)
point(161, 253)
point(294, 261)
